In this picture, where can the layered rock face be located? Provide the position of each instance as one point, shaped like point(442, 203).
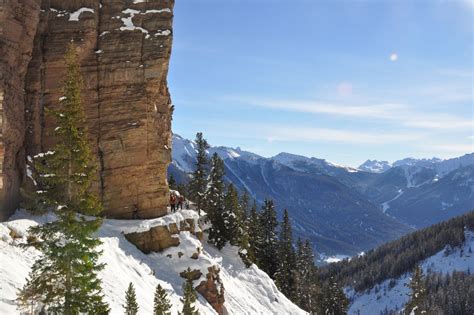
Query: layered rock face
point(18, 25)
point(124, 48)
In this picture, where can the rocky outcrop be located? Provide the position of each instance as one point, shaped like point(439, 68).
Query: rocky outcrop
point(124, 48)
point(161, 237)
point(213, 289)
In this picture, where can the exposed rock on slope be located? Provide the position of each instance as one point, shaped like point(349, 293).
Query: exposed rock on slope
point(163, 235)
point(124, 49)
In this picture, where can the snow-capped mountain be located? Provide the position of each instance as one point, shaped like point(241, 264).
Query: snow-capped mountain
point(337, 219)
point(302, 163)
point(184, 154)
point(441, 166)
point(374, 166)
point(341, 208)
point(246, 290)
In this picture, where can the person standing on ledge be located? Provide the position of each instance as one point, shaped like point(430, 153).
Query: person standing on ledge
point(173, 203)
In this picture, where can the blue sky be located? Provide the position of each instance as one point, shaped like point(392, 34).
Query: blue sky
point(340, 80)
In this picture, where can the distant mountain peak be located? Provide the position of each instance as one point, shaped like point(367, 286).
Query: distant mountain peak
point(375, 166)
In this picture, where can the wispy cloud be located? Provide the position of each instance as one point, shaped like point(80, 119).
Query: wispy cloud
point(394, 112)
point(292, 133)
point(452, 148)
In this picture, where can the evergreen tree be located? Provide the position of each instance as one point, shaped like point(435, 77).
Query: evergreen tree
point(254, 233)
point(268, 239)
point(245, 251)
point(245, 205)
point(333, 300)
point(172, 182)
point(214, 201)
point(64, 278)
point(162, 305)
point(232, 216)
point(307, 291)
point(285, 275)
point(198, 183)
point(131, 306)
point(189, 297)
point(416, 304)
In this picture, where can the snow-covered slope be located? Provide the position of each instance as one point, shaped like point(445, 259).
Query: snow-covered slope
point(247, 290)
point(392, 294)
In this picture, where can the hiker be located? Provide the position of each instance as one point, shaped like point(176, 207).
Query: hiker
point(173, 202)
point(180, 202)
point(135, 212)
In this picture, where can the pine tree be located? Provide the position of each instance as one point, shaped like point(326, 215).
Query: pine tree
point(268, 252)
point(245, 251)
point(189, 297)
point(64, 278)
point(333, 301)
point(198, 183)
point(245, 205)
point(416, 304)
point(254, 233)
point(307, 289)
point(214, 201)
point(131, 306)
point(285, 275)
point(172, 182)
point(232, 216)
point(162, 305)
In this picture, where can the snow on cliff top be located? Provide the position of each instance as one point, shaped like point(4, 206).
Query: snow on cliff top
point(247, 290)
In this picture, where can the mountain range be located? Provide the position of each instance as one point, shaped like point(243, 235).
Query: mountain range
point(345, 210)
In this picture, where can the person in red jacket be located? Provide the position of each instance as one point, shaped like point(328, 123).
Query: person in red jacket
point(173, 201)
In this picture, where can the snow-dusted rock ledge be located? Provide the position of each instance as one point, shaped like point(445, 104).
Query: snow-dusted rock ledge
point(158, 234)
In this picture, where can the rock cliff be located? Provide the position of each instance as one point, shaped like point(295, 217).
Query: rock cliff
point(124, 48)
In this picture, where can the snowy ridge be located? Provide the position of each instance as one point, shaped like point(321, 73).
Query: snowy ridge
point(442, 167)
point(374, 166)
point(247, 290)
point(184, 154)
point(297, 162)
point(375, 300)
